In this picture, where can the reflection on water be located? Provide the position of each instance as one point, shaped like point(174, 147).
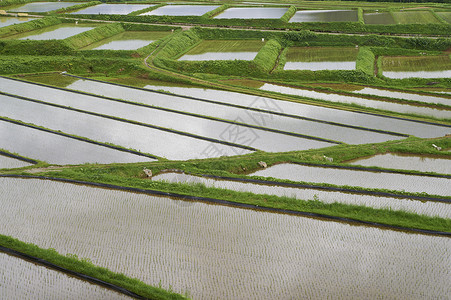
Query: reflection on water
point(378, 18)
point(9, 162)
point(181, 10)
point(219, 56)
point(325, 16)
point(376, 180)
point(417, 74)
point(111, 9)
point(43, 6)
point(320, 65)
point(219, 252)
point(58, 32)
point(128, 40)
point(405, 96)
point(396, 161)
point(252, 13)
point(6, 21)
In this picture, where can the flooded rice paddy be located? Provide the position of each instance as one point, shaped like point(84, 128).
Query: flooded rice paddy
point(57, 149)
point(128, 40)
point(325, 16)
point(6, 21)
point(378, 18)
point(252, 13)
point(58, 32)
point(419, 207)
point(233, 133)
point(377, 104)
point(244, 115)
point(321, 58)
point(417, 74)
point(42, 6)
point(407, 162)
point(224, 50)
point(131, 136)
point(10, 163)
point(181, 10)
point(356, 178)
point(399, 67)
point(222, 252)
point(25, 280)
point(312, 111)
point(111, 9)
point(405, 96)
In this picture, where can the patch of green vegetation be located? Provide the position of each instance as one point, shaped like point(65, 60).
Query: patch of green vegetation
point(28, 26)
point(416, 63)
point(415, 17)
point(54, 78)
point(84, 266)
point(313, 54)
point(365, 61)
point(445, 15)
point(226, 46)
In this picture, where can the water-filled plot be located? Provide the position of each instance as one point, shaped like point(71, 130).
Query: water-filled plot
point(218, 252)
point(57, 149)
point(42, 6)
point(415, 17)
point(321, 58)
point(376, 18)
point(7, 162)
point(406, 162)
point(399, 67)
point(252, 13)
point(325, 16)
point(57, 32)
point(311, 111)
point(378, 104)
point(357, 178)
point(445, 15)
point(245, 114)
point(224, 50)
point(22, 279)
point(128, 40)
point(181, 10)
point(111, 9)
point(6, 21)
point(419, 207)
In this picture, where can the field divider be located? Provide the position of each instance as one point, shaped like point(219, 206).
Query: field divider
point(209, 200)
point(241, 106)
point(317, 187)
point(28, 160)
point(132, 122)
point(192, 114)
point(76, 137)
point(78, 275)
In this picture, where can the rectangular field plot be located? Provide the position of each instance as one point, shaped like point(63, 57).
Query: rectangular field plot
point(313, 111)
point(415, 17)
point(7, 162)
point(57, 149)
point(6, 21)
point(244, 114)
point(376, 18)
point(366, 179)
point(218, 252)
point(406, 162)
point(22, 279)
point(181, 10)
point(224, 50)
point(58, 32)
point(131, 136)
point(378, 104)
point(325, 16)
point(320, 58)
point(445, 15)
point(111, 9)
point(416, 66)
point(212, 129)
point(252, 13)
point(42, 6)
point(429, 208)
point(129, 40)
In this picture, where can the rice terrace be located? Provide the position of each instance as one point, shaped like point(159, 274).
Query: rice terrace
point(225, 149)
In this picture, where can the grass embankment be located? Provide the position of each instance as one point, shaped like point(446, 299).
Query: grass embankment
point(84, 266)
point(131, 175)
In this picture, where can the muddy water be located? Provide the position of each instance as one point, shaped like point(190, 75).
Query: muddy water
point(9, 162)
point(56, 149)
point(342, 177)
point(419, 207)
point(407, 162)
point(25, 280)
point(218, 252)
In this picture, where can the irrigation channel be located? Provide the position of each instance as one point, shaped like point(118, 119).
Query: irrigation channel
point(22, 279)
point(430, 208)
point(223, 252)
point(359, 178)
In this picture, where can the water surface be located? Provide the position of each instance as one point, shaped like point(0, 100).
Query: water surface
point(218, 252)
point(325, 16)
point(405, 96)
point(376, 18)
point(128, 40)
point(43, 6)
point(181, 10)
point(417, 74)
point(58, 32)
point(111, 9)
point(6, 21)
point(321, 58)
point(252, 13)
point(7, 162)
